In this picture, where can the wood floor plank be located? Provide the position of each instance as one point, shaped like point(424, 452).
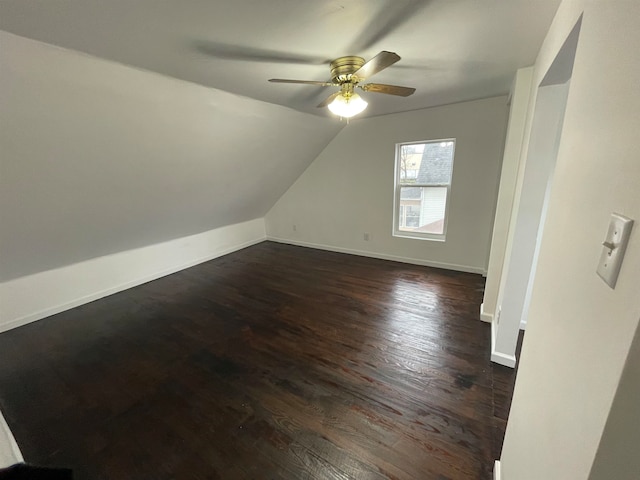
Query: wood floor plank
point(274, 362)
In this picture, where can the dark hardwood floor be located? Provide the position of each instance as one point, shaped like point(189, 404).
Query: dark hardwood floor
point(274, 362)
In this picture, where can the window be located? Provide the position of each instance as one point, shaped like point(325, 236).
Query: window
point(423, 183)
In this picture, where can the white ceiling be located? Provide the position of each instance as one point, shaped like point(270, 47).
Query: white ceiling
point(452, 50)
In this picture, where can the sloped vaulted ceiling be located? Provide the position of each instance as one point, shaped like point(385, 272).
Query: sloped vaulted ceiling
point(99, 158)
point(452, 50)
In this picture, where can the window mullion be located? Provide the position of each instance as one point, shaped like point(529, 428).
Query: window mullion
point(422, 185)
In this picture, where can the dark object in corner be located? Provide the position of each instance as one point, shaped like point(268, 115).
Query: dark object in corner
point(22, 471)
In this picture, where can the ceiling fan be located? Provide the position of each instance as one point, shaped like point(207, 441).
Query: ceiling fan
point(348, 73)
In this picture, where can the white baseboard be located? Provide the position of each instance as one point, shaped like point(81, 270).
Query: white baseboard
point(499, 357)
point(523, 325)
point(381, 256)
point(484, 316)
point(497, 475)
point(9, 451)
point(34, 297)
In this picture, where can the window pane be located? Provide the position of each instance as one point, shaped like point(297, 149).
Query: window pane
point(426, 163)
point(410, 158)
point(422, 209)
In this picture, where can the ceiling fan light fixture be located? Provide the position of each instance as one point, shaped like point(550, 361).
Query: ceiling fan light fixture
point(347, 106)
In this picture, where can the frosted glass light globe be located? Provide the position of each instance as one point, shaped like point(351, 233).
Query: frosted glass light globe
point(347, 107)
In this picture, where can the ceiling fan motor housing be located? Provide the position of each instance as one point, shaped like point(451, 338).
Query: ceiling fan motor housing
point(342, 68)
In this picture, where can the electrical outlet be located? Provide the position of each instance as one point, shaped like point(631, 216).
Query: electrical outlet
point(295, 227)
point(367, 237)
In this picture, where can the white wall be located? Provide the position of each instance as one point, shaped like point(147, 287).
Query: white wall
point(9, 452)
point(99, 158)
point(526, 227)
point(348, 190)
point(518, 109)
point(617, 457)
point(33, 297)
point(580, 331)
point(530, 202)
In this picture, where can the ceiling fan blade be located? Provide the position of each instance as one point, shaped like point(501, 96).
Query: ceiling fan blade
point(305, 82)
point(253, 54)
point(328, 100)
point(389, 89)
point(376, 64)
point(387, 20)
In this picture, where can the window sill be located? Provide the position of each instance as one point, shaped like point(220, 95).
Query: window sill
point(417, 236)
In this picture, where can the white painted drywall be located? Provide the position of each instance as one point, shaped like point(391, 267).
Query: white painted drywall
point(531, 194)
point(348, 190)
point(617, 457)
point(9, 452)
point(37, 296)
point(526, 227)
point(518, 108)
point(580, 331)
point(455, 50)
point(98, 158)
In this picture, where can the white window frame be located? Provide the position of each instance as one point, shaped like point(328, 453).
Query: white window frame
point(437, 237)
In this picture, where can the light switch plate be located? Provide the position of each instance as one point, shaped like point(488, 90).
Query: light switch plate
point(613, 248)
